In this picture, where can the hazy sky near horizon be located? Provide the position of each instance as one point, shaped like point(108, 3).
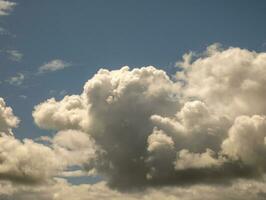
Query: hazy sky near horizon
point(208, 51)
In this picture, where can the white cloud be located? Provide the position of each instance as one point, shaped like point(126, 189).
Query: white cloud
point(6, 7)
point(233, 77)
point(187, 160)
point(159, 140)
point(70, 113)
point(53, 65)
point(246, 140)
point(126, 127)
point(60, 189)
point(138, 128)
point(22, 96)
point(16, 80)
point(14, 55)
point(27, 161)
point(7, 119)
point(115, 110)
point(75, 147)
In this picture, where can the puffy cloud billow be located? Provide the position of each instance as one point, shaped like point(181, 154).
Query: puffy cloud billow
point(7, 119)
point(200, 131)
point(26, 162)
point(205, 125)
point(31, 163)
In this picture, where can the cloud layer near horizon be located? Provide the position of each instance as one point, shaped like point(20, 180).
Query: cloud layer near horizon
point(139, 129)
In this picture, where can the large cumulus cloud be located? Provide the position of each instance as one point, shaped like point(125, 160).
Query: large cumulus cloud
point(207, 124)
point(120, 104)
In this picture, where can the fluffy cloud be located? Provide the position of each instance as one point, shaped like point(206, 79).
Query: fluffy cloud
point(161, 152)
point(7, 119)
point(60, 189)
point(151, 130)
point(116, 107)
point(74, 147)
point(16, 80)
point(194, 127)
point(246, 140)
point(188, 160)
point(27, 161)
point(158, 140)
point(53, 65)
point(140, 129)
point(230, 81)
point(6, 7)
point(70, 113)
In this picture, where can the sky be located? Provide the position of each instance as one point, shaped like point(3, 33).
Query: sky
point(180, 118)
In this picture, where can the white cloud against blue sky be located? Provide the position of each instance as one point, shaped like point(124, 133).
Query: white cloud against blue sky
point(132, 100)
point(16, 80)
point(14, 55)
point(6, 7)
point(53, 65)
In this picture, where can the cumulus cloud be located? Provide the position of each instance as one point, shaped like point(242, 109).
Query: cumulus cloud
point(246, 140)
point(53, 65)
point(75, 147)
point(161, 152)
point(27, 161)
point(116, 107)
point(205, 126)
point(22, 161)
point(187, 160)
point(70, 113)
point(60, 189)
point(230, 81)
point(138, 128)
point(6, 7)
point(158, 140)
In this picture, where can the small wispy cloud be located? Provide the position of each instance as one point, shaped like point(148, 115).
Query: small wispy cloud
point(22, 96)
point(16, 80)
point(6, 7)
point(3, 31)
point(53, 65)
point(57, 93)
point(14, 55)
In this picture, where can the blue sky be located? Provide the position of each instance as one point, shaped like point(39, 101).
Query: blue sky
point(110, 34)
